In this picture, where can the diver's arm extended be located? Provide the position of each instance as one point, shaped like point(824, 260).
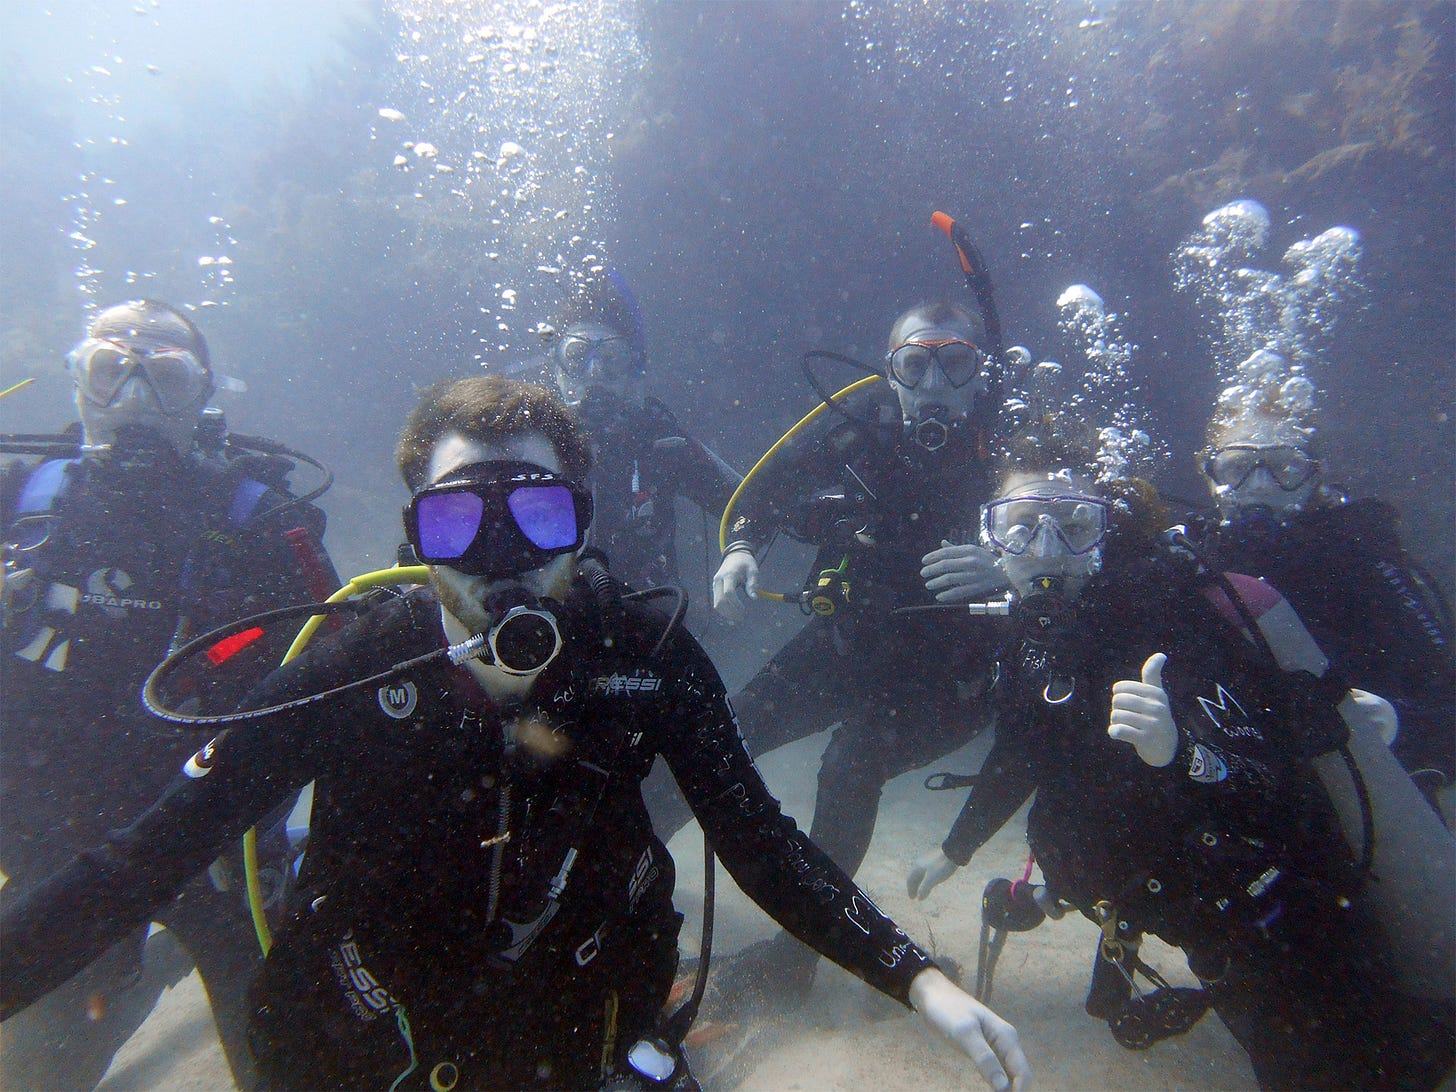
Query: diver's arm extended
point(1412, 884)
point(1007, 779)
point(105, 892)
point(778, 867)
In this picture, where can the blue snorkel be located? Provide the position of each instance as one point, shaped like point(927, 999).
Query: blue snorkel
point(632, 314)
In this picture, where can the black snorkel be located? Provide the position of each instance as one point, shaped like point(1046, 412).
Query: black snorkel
point(978, 280)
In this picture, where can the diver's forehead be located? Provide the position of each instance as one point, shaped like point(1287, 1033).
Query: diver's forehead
point(454, 451)
point(1046, 484)
point(596, 331)
point(935, 333)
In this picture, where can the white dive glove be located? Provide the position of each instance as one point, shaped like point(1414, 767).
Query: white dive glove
point(735, 583)
point(961, 574)
point(1142, 716)
point(931, 869)
point(991, 1042)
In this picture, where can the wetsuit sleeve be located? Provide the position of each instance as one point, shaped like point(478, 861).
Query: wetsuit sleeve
point(695, 470)
point(778, 497)
point(112, 888)
point(1411, 663)
point(1007, 779)
point(774, 862)
point(12, 480)
point(1385, 626)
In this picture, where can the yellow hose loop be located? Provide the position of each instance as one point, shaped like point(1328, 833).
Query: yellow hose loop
point(255, 890)
point(400, 574)
point(804, 422)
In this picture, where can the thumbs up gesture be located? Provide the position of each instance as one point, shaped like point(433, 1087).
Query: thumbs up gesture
point(1142, 716)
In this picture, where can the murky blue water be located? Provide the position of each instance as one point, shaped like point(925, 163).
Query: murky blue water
point(359, 198)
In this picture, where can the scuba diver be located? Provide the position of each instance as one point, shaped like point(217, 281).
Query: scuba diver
point(1184, 743)
point(888, 491)
point(1339, 562)
point(483, 903)
point(644, 460)
point(148, 526)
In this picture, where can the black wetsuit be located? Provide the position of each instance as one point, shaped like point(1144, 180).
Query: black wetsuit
point(1230, 852)
point(906, 688)
point(644, 462)
point(124, 550)
point(1370, 609)
point(424, 931)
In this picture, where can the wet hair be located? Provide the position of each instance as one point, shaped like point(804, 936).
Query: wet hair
point(151, 320)
point(1226, 428)
point(1055, 442)
point(937, 313)
point(609, 300)
point(489, 409)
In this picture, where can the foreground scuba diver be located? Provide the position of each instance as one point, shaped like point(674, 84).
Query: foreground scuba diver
point(147, 526)
point(643, 459)
point(1206, 809)
point(483, 903)
point(1340, 563)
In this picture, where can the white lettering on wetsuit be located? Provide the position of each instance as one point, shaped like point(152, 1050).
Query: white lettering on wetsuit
point(642, 876)
point(1228, 715)
point(1412, 603)
point(618, 683)
point(591, 947)
point(107, 588)
point(96, 599)
point(366, 996)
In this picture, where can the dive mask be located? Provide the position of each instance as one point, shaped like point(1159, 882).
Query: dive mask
point(583, 357)
point(498, 519)
point(960, 361)
point(1029, 524)
point(176, 376)
point(1231, 466)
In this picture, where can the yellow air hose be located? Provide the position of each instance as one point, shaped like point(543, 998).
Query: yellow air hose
point(405, 574)
point(8, 391)
point(804, 422)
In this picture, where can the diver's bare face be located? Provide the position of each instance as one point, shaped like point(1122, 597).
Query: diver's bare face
point(463, 596)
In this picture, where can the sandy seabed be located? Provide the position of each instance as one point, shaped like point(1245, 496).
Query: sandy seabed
point(847, 1037)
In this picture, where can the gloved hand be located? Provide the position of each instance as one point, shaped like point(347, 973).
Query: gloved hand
point(735, 583)
point(1370, 709)
point(961, 574)
point(1142, 716)
point(991, 1042)
point(933, 868)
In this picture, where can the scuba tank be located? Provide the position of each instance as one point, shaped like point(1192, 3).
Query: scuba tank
point(1412, 855)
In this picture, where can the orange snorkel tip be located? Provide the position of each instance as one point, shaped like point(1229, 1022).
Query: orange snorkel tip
point(947, 225)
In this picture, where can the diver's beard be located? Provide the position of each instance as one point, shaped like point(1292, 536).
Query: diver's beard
point(465, 607)
point(469, 599)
